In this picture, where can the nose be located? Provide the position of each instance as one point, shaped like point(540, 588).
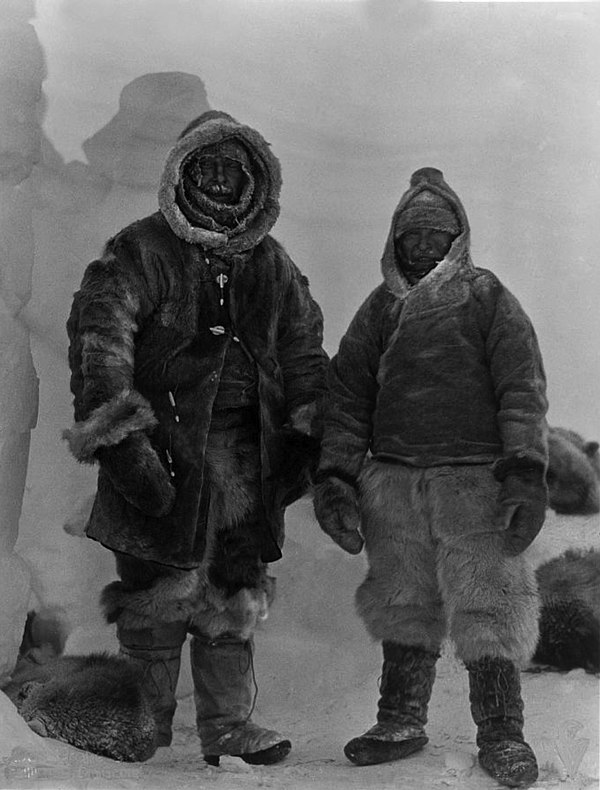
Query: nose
point(423, 241)
point(218, 171)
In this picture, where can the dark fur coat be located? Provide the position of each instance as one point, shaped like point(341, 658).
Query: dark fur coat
point(143, 357)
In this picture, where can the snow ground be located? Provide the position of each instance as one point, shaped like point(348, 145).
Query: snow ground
point(317, 674)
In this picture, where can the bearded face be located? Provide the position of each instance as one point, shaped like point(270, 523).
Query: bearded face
point(220, 178)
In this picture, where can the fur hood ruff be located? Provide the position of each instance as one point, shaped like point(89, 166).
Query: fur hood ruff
point(458, 258)
point(209, 129)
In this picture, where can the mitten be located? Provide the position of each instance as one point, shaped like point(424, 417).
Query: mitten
point(337, 511)
point(137, 474)
point(521, 508)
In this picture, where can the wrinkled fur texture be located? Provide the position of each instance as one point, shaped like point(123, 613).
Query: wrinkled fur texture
point(93, 702)
point(573, 474)
point(436, 564)
point(230, 592)
point(570, 617)
point(274, 315)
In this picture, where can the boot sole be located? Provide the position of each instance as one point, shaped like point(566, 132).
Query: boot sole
point(526, 778)
point(369, 751)
point(271, 756)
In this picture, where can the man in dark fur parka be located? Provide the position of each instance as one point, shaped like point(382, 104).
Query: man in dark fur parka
point(197, 372)
point(434, 452)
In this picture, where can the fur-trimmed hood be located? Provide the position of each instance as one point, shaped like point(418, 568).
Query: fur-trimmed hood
point(458, 258)
point(259, 208)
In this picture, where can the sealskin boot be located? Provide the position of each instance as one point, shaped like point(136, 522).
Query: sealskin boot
point(406, 684)
point(497, 709)
point(157, 651)
point(223, 674)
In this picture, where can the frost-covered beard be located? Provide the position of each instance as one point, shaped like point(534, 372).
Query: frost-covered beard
point(205, 207)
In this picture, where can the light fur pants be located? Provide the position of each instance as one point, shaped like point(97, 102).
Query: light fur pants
point(436, 564)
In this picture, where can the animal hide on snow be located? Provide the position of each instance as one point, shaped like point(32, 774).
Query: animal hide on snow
point(573, 474)
point(93, 702)
point(570, 615)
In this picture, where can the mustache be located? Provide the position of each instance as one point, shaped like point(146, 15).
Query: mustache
point(218, 189)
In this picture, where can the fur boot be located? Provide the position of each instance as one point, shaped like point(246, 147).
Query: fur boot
point(497, 710)
point(406, 685)
point(223, 674)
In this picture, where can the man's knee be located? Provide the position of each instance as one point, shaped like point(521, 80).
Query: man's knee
point(419, 621)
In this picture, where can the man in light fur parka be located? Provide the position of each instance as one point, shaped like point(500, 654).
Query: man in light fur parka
point(197, 373)
point(434, 452)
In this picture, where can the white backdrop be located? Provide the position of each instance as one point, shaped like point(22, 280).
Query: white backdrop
point(353, 97)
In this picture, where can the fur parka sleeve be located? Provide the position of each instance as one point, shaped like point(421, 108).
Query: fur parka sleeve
point(519, 380)
point(352, 393)
point(101, 328)
point(300, 350)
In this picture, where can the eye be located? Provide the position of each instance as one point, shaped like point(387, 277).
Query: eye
point(409, 238)
point(232, 166)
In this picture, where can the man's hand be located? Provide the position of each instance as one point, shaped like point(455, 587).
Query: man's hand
point(337, 511)
point(137, 474)
point(521, 508)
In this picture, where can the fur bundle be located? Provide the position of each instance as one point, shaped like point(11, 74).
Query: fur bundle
point(570, 615)
point(94, 702)
point(573, 474)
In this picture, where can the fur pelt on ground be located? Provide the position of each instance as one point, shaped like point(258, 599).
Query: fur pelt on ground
point(93, 702)
point(573, 474)
point(570, 615)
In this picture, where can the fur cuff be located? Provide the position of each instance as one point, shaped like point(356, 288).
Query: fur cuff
point(170, 599)
point(186, 596)
point(109, 424)
point(238, 615)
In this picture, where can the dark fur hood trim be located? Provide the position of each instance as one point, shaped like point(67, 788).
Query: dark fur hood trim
point(208, 129)
point(458, 258)
point(109, 424)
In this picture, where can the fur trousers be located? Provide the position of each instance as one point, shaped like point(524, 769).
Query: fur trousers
point(436, 565)
point(231, 591)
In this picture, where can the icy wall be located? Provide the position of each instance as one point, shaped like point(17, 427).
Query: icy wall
point(21, 75)
point(353, 96)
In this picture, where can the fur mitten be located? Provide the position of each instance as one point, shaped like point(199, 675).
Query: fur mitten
point(337, 511)
point(521, 509)
point(137, 474)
